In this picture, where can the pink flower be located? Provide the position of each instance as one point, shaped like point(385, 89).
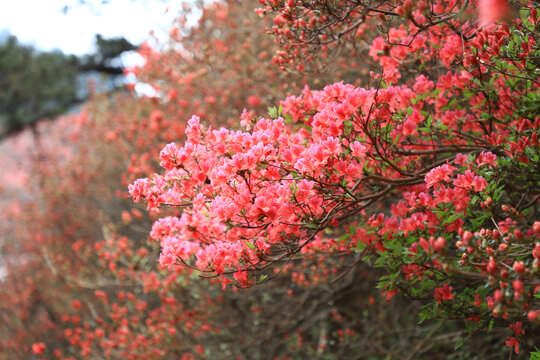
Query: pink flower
point(461, 159)
point(169, 156)
point(245, 120)
point(193, 131)
point(139, 188)
point(357, 149)
point(304, 190)
point(422, 85)
point(469, 181)
point(487, 158)
point(167, 226)
point(409, 128)
point(332, 146)
point(492, 11)
point(438, 174)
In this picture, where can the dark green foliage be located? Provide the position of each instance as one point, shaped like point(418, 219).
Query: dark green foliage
point(33, 84)
point(108, 50)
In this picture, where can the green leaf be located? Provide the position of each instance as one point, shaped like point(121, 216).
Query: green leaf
point(424, 315)
point(273, 112)
point(459, 342)
point(535, 355)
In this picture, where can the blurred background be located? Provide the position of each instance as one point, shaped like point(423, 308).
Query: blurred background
point(54, 52)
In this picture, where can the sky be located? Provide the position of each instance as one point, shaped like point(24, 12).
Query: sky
point(42, 23)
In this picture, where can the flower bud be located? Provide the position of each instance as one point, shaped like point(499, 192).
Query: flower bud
point(518, 288)
point(519, 267)
point(532, 315)
point(536, 251)
point(497, 295)
point(491, 266)
point(440, 244)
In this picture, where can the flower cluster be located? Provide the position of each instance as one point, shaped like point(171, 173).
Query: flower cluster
point(423, 175)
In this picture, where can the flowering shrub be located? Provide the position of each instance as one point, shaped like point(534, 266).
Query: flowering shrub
point(81, 281)
point(315, 31)
point(432, 177)
point(421, 180)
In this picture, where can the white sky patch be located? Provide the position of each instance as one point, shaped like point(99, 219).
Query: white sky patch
point(43, 24)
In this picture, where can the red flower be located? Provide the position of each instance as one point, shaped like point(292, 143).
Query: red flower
point(38, 348)
point(443, 293)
